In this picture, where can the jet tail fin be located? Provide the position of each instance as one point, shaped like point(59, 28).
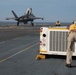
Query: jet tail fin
point(29, 11)
point(14, 14)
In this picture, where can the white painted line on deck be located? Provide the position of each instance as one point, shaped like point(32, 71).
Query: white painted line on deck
point(18, 53)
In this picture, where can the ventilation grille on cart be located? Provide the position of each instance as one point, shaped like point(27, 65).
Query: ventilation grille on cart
point(58, 41)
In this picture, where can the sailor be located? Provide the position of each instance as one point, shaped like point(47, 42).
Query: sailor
point(57, 23)
point(71, 40)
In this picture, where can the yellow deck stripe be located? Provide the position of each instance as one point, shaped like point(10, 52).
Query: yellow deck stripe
point(18, 53)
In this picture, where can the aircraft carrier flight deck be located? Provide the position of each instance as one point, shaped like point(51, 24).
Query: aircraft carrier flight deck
point(19, 47)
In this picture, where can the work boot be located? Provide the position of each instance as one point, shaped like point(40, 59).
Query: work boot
point(68, 65)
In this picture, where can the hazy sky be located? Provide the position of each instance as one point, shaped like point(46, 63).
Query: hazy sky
point(51, 10)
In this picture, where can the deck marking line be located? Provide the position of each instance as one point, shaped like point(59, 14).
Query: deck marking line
point(18, 53)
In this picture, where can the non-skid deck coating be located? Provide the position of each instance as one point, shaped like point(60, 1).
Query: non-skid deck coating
point(18, 50)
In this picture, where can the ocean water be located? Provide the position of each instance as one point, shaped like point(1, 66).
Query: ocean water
point(36, 23)
point(7, 23)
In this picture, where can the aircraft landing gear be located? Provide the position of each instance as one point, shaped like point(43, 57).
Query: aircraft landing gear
point(17, 23)
point(32, 24)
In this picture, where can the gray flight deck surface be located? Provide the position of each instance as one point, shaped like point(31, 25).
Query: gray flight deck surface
point(19, 47)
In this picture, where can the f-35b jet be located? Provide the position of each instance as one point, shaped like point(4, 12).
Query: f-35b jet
point(28, 16)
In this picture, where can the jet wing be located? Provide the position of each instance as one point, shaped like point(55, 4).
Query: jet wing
point(11, 18)
point(36, 18)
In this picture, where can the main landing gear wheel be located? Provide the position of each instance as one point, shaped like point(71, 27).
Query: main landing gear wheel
point(32, 24)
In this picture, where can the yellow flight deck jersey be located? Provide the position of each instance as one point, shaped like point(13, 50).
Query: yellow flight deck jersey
point(72, 27)
point(57, 23)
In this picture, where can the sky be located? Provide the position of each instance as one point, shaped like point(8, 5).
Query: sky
point(51, 10)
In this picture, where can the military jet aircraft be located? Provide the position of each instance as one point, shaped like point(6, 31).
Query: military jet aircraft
point(28, 16)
